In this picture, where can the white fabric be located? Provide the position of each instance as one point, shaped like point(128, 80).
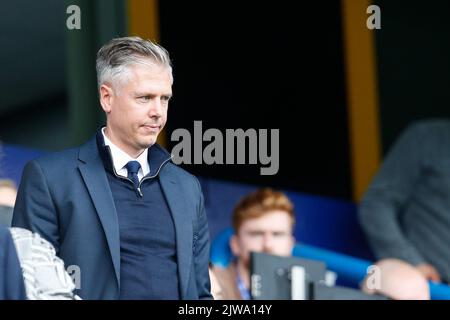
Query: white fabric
point(43, 272)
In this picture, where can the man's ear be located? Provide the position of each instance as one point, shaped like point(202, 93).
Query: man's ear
point(234, 245)
point(106, 97)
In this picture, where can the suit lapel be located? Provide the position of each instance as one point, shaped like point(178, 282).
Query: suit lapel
point(94, 176)
point(171, 186)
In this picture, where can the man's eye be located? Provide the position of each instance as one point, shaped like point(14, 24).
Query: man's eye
point(165, 98)
point(144, 98)
point(279, 234)
point(255, 234)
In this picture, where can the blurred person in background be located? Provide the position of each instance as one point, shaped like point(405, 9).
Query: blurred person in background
point(405, 212)
point(263, 221)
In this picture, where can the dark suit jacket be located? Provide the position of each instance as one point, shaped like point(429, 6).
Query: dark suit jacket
point(11, 279)
point(66, 198)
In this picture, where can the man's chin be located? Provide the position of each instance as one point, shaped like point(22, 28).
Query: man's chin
point(147, 143)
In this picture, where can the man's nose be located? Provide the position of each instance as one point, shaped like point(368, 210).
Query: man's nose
point(156, 108)
point(268, 243)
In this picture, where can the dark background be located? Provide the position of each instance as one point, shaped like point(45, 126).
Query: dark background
point(239, 65)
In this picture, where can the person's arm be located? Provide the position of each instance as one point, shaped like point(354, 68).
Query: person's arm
point(34, 209)
point(12, 285)
point(201, 251)
point(44, 273)
point(389, 193)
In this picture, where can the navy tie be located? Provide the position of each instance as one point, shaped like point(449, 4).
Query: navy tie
point(133, 168)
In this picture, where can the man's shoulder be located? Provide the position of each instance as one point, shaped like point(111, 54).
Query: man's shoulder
point(170, 166)
point(181, 173)
point(430, 125)
point(58, 163)
point(427, 134)
point(58, 157)
point(188, 184)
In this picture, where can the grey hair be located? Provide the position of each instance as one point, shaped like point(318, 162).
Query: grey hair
point(114, 58)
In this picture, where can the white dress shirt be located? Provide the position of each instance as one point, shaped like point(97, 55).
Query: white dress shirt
point(120, 159)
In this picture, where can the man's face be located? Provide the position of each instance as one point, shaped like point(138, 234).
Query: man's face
point(136, 107)
point(271, 233)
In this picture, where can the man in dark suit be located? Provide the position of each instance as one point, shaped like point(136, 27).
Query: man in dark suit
point(11, 280)
point(117, 207)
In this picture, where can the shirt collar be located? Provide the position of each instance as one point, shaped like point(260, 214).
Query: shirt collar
point(120, 158)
